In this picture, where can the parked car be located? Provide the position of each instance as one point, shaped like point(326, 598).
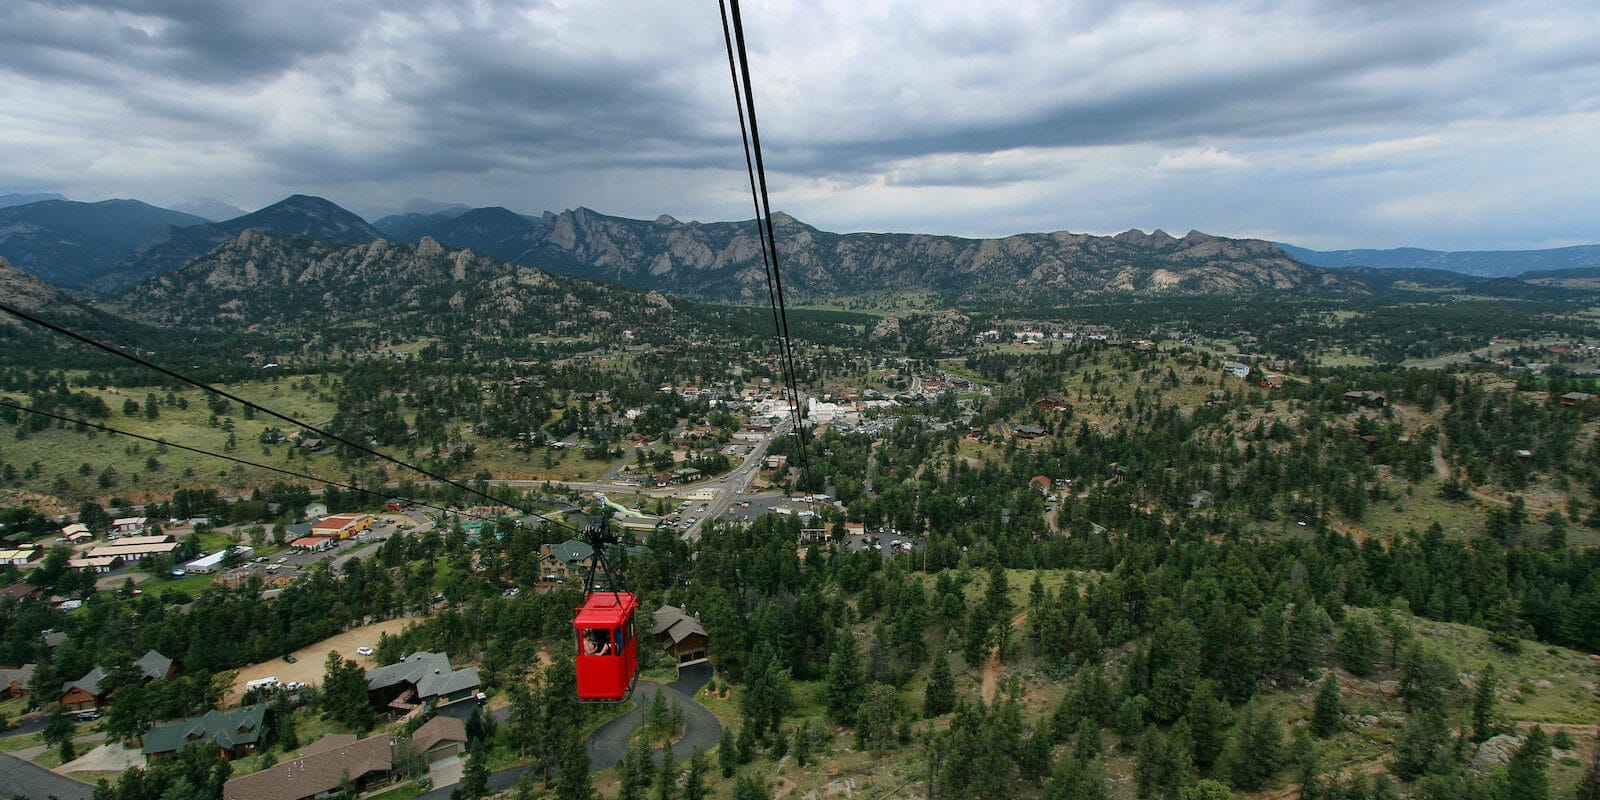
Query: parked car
point(90, 714)
point(289, 657)
point(364, 651)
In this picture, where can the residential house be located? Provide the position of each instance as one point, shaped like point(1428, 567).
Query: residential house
point(1576, 398)
point(680, 634)
point(558, 562)
point(419, 679)
point(1051, 403)
point(1271, 382)
point(1367, 398)
point(1027, 431)
point(320, 770)
point(1236, 369)
point(87, 692)
point(236, 733)
point(77, 533)
point(14, 680)
point(440, 738)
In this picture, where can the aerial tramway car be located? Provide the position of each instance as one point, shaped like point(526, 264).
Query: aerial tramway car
point(608, 654)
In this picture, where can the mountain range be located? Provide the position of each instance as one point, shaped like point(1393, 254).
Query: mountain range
point(1482, 263)
point(107, 247)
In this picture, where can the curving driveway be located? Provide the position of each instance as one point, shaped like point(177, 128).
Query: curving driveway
point(608, 744)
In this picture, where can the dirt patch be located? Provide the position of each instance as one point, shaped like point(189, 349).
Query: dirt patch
point(309, 661)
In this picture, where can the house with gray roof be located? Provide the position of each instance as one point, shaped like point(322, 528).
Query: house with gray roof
point(680, 634)
point(87, 692)
point(14, 680)
point(419, 679)
point(560, 562)
point(236, 733)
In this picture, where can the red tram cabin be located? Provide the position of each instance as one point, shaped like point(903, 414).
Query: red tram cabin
point(608, 655)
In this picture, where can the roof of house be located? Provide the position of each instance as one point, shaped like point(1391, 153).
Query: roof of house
point(436, 730)
point(572, 550)
point(320, 768)
point(154, 666)
point(297, 529)
point(308, 541)
point(228, 729)
point(19, 589)
point(27, 779)
point(89, 683)
point(429, 672)
point(18, 675)
point(1577, 396)
point(676, 623)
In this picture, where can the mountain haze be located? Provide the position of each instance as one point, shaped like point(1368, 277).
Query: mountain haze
point(1484, 263)
point(68, 243)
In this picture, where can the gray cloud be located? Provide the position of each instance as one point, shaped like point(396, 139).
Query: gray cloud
point(932, 115)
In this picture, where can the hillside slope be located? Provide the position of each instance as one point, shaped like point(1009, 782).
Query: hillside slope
point(258, 281)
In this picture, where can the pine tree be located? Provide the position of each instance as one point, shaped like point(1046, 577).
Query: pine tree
point(727, 755)
point(667, 776)
point(940, 696)
point(802, 745)
point(1308, 764)
point(1259, 750)
point(1208, 718)
point(1526, 777)
point(1326, 713)
point(475, 773)
point(1357, 647)
point(751, 787)
point(1483, 699)
point(846, 680)
point(694, 784)
point(572, 782)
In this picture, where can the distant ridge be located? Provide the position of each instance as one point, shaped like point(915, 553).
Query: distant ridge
point(69, 244)
point(1483, 263)
point(24, 198)
point(297, 215)
point(721, 260)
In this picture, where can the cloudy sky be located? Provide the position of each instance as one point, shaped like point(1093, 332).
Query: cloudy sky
point(1365, 123)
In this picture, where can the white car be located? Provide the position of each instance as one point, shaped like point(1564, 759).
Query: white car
point(363, 651)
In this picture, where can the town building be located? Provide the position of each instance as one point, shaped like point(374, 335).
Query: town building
point(205, 565)
point(312, 544)
point(21, 557)
point(343, 526)
point(128, 526)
